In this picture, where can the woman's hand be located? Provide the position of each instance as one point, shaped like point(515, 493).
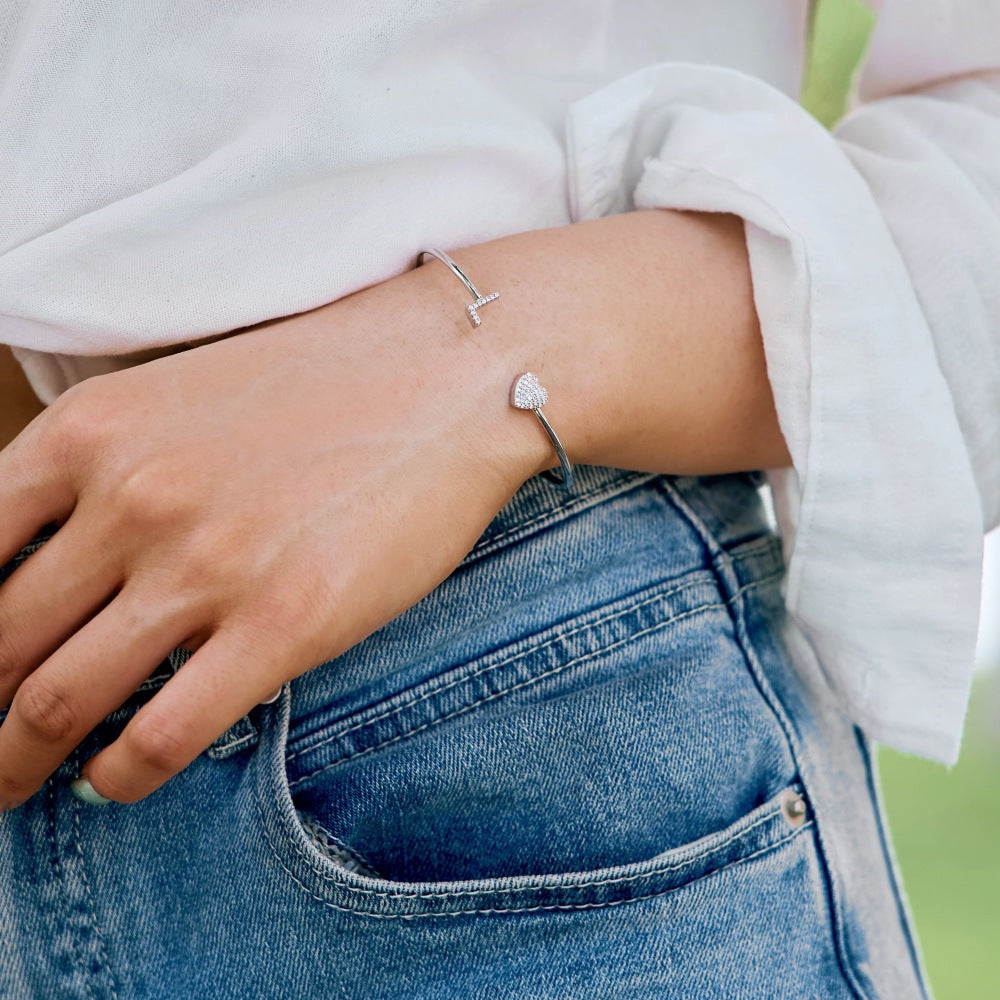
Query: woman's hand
point(266, 500)
point(271, 499)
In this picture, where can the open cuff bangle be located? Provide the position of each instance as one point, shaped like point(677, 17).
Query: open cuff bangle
point(481, 300)
point(527, 393)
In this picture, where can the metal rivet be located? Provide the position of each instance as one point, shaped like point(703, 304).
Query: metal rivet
point(793, 808)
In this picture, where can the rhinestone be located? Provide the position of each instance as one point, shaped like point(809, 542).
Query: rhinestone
point(527, 393)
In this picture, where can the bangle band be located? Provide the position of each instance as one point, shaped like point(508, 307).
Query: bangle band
point(481, 300)
point(527, 393)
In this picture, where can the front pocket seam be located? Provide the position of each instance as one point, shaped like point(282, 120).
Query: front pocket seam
point(592, 884)
point(520, 909)
point(522, 684)
point(660, 595)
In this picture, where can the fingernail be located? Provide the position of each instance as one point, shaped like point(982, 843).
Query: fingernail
point(84, 791)
point(272, 698)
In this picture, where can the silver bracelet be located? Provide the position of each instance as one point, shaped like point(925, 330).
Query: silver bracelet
point(481, 300)
point(526, 393)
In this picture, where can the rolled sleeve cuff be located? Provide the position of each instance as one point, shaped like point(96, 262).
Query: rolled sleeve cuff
point(880, 518)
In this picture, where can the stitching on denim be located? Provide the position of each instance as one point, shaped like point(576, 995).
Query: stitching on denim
point(527, 683)
point(443, 686)
point(661, 869)
point(839, 919)
point(173, 661)
point(152, 683)
point(98, 936)
point(531, 909)
point(334, 848)
point(240, 734)
point(221, 751)
point(724, 563)
point(506, 691)
point(57, 866)
point(571, 506)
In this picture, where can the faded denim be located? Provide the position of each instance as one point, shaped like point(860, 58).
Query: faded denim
point(581, 767)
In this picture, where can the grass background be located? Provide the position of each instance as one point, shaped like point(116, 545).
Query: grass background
point(946, 829)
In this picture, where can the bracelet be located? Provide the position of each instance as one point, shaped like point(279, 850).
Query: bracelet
point(526, 393)
point(481, 300)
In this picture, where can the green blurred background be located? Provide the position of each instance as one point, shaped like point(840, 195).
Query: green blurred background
point(945, 825)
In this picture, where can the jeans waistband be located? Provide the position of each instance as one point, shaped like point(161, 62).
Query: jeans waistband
point(729, 507)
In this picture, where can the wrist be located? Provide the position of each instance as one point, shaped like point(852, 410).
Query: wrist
point(448, 375)
point(644, 330)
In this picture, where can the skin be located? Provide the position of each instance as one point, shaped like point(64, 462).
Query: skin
point(313, 477)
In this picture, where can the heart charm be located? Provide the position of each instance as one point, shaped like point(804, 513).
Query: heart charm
point(527, 393)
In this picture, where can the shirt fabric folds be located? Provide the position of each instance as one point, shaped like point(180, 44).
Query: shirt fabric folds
point(172, 174)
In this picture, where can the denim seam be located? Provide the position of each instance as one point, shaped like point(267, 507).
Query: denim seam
point(240, 734)
point(55, 862)
point(222, 750)
point(98, 936)
point(724, 566)
point(661, 869)
point(441, 687)
point(552, 515)
point(837, 921)
point(892, 873)
point(60, 874)
point(527, 683)
point(532, 909)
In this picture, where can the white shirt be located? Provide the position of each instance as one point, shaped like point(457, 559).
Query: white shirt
point(178, 170)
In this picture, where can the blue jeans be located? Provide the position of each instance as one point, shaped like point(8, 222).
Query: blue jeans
point(581, 767)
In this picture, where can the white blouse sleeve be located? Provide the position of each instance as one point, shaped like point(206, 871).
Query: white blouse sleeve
point(874, 254)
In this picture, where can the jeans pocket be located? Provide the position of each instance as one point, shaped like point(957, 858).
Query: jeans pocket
point(624, 753)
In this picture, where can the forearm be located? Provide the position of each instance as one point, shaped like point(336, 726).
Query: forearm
point(319, 474)
point(643, 328)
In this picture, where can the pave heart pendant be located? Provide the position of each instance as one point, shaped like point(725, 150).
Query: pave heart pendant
point(527, 393)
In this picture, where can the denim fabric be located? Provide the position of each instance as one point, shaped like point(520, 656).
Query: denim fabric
point(581, 767)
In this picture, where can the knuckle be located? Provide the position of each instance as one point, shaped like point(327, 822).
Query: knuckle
point(137, 493)
point(78, 420)
point(157, 744)
point(47, 713)
point(149, 495)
